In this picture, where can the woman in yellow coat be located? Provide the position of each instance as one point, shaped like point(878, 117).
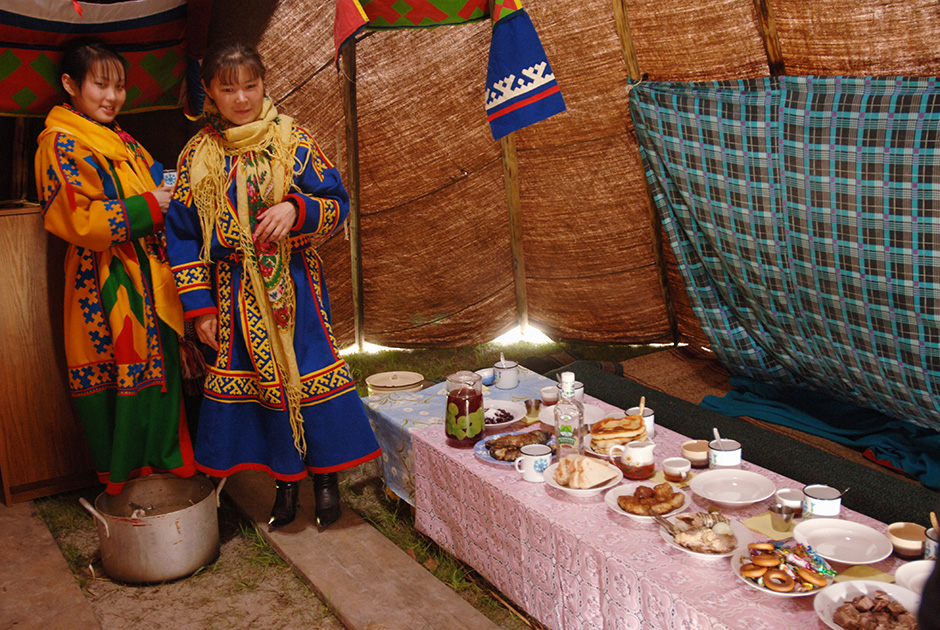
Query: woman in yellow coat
point(98, 190)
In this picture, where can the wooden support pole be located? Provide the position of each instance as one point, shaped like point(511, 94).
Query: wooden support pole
point(352, 187)
point(768, 30)
point(628, 50)
point(511, 181)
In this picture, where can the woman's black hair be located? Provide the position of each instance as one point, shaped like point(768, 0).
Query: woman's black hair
point(80, 55)
point(223, 60)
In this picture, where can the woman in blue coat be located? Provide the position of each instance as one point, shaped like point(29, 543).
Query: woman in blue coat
point(253, 196)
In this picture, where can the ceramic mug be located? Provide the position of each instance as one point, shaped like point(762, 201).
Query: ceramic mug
point(169, 177)
point(676, 469)
point(549, 395)
point(724, 453)
point(649, 419)
point(791, 498)
point(534, 460)
point(821, 500)
point(507, 374)
point(931, 544)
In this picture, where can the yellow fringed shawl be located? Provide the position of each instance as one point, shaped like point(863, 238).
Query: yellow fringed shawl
point(265, 151)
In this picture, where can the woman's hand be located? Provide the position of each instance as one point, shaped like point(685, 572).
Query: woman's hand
point(163, 194)
point(207, 329)
point(275, 222)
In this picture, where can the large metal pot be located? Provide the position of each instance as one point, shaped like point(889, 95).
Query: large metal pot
point(159, 528)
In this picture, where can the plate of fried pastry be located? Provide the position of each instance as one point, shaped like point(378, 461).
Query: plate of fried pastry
point(640, 501)
point(607, 432)
point(504, 448)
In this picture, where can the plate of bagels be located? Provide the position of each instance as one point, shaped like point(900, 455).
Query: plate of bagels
point(782, 569)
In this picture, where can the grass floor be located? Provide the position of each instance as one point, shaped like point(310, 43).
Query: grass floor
point(362, 488)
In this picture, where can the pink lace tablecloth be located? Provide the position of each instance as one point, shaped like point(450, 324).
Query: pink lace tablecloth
point(576, 564)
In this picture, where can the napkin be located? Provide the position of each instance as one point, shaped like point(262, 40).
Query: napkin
point(659, 477)
point(762, 525)
point(864, 572)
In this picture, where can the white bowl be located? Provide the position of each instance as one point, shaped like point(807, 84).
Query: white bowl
point(732, 487)
point(913, 575)
point(838, 593)
point(592, 413)
point(517, 409)
point(843, 541)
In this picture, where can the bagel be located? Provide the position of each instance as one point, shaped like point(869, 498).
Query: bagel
point(752, 570)
point(765, 560)
point(779, 580)
point(816, 579)
point(764, 546)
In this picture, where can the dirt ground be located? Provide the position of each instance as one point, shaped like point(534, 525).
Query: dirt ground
point(248, 587)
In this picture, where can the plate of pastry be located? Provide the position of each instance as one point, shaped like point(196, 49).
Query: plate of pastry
point(640, 501)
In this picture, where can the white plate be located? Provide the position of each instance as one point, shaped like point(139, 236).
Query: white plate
point(628, 489)
point(736, 565)
point(549, 475)
point(743, 535)
point(913, 575)
point(842, 541)
point(592, 413)
point(517, 409)
point(480, 450)
point(732, 487)
point(837, 594)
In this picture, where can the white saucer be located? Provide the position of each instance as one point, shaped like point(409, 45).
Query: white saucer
point(549, 475)
point(592, 413)
point(517, 409)
point(742, 534)
point(838, 593)
point(913, 575)
point(628, 489)
point(732, 487)
point(843, 541)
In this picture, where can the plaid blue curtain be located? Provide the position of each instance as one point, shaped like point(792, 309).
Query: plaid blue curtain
point(803, 214)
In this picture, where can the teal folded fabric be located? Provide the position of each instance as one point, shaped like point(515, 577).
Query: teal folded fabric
point(900, 444)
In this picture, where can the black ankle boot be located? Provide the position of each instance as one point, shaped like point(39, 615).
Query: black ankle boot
point(285, 504)
point(326, 490)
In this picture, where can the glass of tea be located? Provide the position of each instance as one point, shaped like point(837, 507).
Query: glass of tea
point(463, 418)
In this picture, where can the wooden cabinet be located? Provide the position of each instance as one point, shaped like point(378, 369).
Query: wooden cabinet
point(42, 445)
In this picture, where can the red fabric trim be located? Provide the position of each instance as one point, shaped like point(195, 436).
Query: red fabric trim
point(301, 211)
point(868, 454)
point(351, 464)
point(523, 103)
point(250, 466)
point(209, 310)
point(155, 212)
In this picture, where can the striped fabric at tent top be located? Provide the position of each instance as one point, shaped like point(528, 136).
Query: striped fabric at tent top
point(521, 88)
point(805, 216)
point(149, 33)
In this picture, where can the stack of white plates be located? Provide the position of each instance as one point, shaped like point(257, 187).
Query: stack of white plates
point(387, 382)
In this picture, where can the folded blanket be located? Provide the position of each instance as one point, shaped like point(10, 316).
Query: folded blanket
point(899, 444)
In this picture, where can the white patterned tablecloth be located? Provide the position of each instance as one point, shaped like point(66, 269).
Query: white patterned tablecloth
point(576, 564)
point(397, 415)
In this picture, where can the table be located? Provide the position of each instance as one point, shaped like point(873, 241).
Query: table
point(396, 416)
point(575, 564)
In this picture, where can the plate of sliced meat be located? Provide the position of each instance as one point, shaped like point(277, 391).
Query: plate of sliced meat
point(504, 448)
